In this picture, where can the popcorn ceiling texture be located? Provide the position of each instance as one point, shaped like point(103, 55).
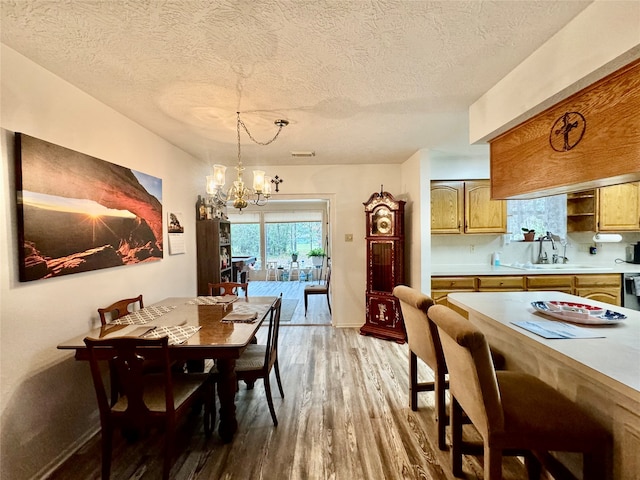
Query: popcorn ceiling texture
point(360, 81)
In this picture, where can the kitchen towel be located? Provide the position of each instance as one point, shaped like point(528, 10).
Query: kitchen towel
point(636, 284)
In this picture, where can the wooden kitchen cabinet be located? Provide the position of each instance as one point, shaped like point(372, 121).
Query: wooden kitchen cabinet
point(558, 283)
point(603, 288)
point(608, 209)
point(443, 286)
point(500, 283)
point(619, 208)
point(466, 207)
point(447, 207)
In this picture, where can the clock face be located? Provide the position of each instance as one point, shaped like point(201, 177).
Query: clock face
point(382, 222)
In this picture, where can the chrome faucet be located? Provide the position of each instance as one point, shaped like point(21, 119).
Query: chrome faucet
point(542, 255)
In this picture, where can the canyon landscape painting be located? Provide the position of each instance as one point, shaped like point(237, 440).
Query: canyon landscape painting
point(78, 213)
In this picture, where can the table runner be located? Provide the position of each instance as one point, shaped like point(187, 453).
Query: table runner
point(219, 300)
point(142, 316)
point(246, 313)
point(177, 334)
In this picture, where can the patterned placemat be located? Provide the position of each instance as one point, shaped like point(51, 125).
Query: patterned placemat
point(235, 317)
point(142, 316)
point(177, 334)
point(246, 313)
point(218, 300)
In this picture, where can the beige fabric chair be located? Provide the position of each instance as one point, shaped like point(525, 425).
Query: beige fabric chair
point(515, 413)
point(119, 309)
point(147, 400)
point(414, 306)
point(318, 290)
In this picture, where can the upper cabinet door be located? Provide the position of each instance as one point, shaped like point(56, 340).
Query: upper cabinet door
point(483, 215)
point(619, 208)
point(447, 207)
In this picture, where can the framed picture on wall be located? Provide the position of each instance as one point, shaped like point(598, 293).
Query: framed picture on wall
point(78, 213)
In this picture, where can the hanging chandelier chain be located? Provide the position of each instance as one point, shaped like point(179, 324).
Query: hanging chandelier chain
point(279, 123)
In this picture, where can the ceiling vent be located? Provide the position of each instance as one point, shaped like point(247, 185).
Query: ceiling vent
point(303, 154)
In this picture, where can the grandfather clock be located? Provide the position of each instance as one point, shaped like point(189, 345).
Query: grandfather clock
point(385, 266)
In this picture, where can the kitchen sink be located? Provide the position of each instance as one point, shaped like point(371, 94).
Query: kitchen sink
point(555, 266)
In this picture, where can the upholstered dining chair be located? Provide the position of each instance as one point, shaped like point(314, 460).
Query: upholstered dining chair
point(228, 288)
point(257, 361)
point(147, 400)
point(119, 309)
point(318, 290)
point(514, 412)
point(423, 344)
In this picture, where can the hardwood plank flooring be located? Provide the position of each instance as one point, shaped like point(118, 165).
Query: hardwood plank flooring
point(345, 416)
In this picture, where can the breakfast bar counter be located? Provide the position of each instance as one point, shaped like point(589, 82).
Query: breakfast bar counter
point(600, 374)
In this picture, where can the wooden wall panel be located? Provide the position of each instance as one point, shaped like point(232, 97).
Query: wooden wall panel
point(526, 163)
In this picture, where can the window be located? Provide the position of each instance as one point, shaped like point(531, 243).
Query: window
point(546, 214)
point(245, 241)
point(273, 235)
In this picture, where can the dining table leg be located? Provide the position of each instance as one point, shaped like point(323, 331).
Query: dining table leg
point(227, 386)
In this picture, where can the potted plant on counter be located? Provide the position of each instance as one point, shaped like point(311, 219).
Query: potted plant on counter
point(317, 255)
point(294, 256)
point(528, 234)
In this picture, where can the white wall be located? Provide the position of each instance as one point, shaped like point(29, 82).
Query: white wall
point(602, 38)
point(47, 399)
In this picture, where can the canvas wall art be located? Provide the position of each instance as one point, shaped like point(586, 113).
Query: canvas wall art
point(78, 213)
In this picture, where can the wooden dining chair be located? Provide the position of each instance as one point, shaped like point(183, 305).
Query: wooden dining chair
point(228, 288)
point(318, 290)
point(257, 361)
point(109, 314)
point(119, 309)
point(423, 344)
point(515, 413)
point(147, 400)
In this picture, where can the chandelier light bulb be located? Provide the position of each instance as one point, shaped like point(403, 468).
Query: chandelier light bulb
point(258, 181)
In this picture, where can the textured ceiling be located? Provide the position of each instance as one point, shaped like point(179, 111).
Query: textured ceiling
point(360, 81)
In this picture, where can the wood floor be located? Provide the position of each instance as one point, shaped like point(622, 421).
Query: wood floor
point(345, 416)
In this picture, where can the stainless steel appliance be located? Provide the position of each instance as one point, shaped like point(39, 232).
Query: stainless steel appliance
point(631, 290)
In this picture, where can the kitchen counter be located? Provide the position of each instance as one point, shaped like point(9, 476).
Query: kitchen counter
point(600, 374)
point(462, 269)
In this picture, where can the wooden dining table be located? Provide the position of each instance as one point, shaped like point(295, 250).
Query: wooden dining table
point(601, 374)
point(212, 338)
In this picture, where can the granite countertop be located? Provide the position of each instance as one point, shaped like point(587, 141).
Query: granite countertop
point(460, 269)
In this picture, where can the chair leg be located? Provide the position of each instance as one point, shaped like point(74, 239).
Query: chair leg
point(413, 381)
point(277, 369)
point(305, 303)
point(267, 389)
point(329, 303)
point(169, 438)
point(210, 409)
point(492, 463)
point(593, 466)
point(441, 414)
point(534, 468)
point(456, 438)
point(107, 441)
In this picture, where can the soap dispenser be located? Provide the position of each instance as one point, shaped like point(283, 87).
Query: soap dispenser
point(496, 259)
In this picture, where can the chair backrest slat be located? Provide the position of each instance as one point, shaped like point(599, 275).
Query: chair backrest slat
point(119, 309)
point(271, 352)
point(127, 356)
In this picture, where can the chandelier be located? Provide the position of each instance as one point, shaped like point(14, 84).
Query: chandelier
point(239, 192)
